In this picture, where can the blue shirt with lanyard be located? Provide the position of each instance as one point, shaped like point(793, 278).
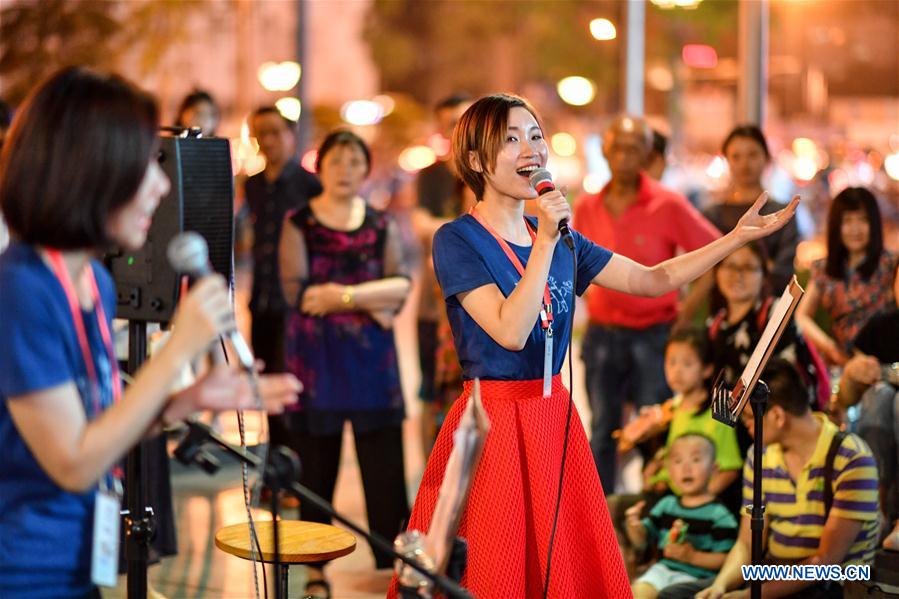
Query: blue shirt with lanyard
point(45, 531)
point(467, 256)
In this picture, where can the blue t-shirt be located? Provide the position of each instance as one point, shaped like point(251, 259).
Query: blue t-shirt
point(45, 531)
point(467, 256)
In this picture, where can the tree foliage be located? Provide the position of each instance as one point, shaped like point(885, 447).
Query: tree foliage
point(37, 37)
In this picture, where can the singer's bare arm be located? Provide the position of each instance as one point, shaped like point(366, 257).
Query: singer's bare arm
point(76, 452)
point(510, 320)
point(625, 275)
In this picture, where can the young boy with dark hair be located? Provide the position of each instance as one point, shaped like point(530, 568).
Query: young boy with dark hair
point(693, 532)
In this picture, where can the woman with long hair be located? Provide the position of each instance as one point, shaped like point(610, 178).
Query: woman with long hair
point(854, 282)
point(508, 285)
point(65, 422)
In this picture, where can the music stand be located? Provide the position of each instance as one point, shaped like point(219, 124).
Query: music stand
point(728, 405)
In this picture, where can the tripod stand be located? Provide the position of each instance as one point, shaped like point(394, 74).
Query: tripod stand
point(138, 519)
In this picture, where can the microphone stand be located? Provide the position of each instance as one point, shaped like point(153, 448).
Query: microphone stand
point(282, 471)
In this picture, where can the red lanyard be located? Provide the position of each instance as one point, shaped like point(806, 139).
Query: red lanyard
point(62, 273)
point(546, 313)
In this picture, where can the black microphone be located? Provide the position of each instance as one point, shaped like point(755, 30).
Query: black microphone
point(189, 254)
point(542, 182)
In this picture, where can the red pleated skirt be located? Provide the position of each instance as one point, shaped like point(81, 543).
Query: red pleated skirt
point(509, 514)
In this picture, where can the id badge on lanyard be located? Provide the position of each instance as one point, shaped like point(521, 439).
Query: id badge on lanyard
point(548, 362)
point(108, 501)
point(105, 549)
point(546, 313)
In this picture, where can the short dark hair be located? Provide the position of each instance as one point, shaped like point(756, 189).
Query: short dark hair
point(716, 298)
point(695, 338)
point(198, 96)
point(747, 131)
point(291, 124)
point(659, 143)
point(786, 387)
point(452, 101)
point(77, 151)
point(850, 200)
point(710, 444)
point(342, 137)
point(482, 130)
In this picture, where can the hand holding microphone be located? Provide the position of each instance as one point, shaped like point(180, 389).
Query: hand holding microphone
point(207, 303)
point(552, 205)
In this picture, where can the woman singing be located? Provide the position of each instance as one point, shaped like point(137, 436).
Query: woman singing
point(508, 286)
point(79, 174)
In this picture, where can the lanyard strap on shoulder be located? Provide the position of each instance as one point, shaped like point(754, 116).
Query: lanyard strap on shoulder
point(62, 273)
point(546, 315)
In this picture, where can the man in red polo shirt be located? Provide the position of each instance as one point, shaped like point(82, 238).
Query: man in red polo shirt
point(624, 349)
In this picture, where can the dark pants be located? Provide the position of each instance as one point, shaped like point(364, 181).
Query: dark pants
point(267, 338)
point(687, 590)
point(620, 365)
point(380, 455)
point(878, 425)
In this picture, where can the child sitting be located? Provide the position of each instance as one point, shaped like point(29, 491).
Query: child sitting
point(687, 370)
point(693, 532)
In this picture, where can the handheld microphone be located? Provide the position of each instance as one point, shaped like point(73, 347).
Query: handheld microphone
point(542, 182)
point(189, 254)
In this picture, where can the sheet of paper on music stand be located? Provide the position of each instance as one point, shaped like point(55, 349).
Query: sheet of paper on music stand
point(777, 322)
point(468, 441)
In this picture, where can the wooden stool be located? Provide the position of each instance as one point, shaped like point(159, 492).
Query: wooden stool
point(300, 543)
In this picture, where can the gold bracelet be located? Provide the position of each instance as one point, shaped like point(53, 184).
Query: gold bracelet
point(348, 297)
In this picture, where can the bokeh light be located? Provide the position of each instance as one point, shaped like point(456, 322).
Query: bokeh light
point(386, 103)
point(308, 160)
point(563, 144)
point(577, 91)
point(717, 168)
point(891, 165)
point(279, 77)
point(416, 158)
point(439, 144)
point(362, 112)
point(593, 183)
point(603, 29)
point(289, 108)
point(699, 56)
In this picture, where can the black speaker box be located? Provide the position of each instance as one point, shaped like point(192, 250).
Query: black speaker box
point(201, 200)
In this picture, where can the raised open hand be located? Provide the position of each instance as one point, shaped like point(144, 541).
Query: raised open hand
point(753, 225)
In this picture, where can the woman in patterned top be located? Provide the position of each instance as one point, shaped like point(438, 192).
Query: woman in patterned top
point(342, 271)
point(854, 281)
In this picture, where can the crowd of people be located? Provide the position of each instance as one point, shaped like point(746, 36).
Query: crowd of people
point(674, 296)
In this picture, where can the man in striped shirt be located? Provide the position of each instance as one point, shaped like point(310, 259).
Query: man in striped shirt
point(798, 528)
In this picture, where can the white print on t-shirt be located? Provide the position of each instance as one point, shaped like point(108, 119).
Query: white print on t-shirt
point(560, 294)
